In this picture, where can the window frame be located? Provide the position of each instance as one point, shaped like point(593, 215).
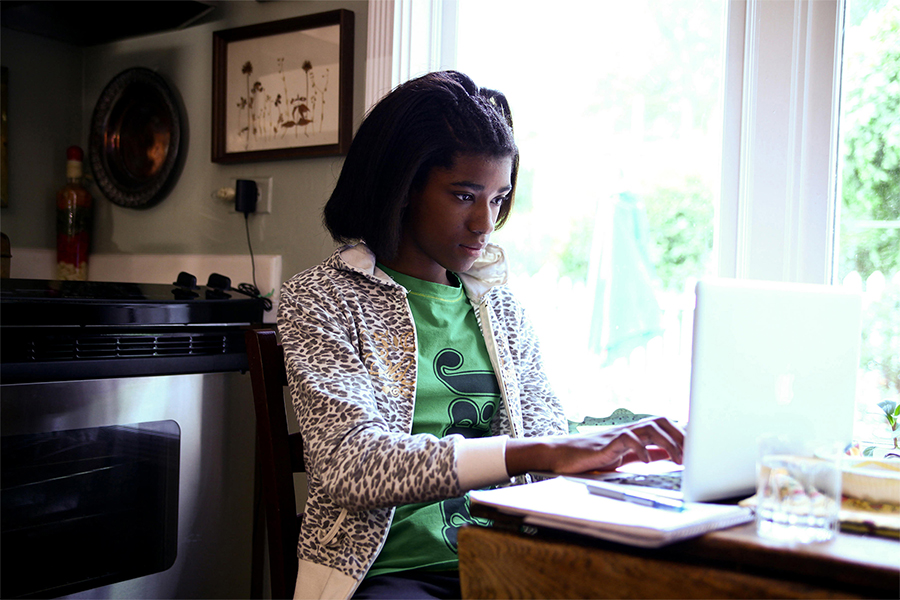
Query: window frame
point(780, 143)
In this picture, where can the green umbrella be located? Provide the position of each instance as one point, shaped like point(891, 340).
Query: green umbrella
point(625, 314)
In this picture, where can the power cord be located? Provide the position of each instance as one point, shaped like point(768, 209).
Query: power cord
point(246, 288)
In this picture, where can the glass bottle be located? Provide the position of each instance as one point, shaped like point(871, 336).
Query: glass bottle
point(73, 221)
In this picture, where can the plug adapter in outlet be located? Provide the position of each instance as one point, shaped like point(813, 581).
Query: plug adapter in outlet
point(264, 185)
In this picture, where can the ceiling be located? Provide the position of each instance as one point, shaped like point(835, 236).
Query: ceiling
point(92, 23)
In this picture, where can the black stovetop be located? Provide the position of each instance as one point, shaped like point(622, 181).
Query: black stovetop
point(65, 330)
point(39, 302)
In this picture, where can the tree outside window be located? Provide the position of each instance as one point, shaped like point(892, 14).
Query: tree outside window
point(870, 192)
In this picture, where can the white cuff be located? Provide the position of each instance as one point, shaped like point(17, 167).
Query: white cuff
point(481, 462)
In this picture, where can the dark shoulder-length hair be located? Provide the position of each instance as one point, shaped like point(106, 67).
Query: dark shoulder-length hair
point(422, 124)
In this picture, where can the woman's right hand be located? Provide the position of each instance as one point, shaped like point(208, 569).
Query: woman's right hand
point(650, 439)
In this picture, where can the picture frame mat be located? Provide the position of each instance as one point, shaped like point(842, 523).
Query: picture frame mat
point(283, 83)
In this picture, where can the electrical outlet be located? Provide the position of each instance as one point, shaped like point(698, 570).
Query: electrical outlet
point(264, 185)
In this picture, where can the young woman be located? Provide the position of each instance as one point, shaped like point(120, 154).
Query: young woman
point(414, 373)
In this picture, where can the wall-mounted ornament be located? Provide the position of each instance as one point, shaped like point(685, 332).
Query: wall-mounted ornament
point(137, 142)
point(283, 89)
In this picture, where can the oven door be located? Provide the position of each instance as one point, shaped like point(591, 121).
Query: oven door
point(135, 487)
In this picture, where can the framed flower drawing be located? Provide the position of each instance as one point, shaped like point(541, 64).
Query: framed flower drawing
point(283, 89)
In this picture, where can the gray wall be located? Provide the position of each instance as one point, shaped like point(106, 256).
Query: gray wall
point(53, 88)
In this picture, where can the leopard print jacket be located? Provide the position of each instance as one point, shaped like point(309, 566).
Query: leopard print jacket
point(350, 351)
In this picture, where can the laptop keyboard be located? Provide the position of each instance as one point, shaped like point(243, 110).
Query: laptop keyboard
point(664, 481)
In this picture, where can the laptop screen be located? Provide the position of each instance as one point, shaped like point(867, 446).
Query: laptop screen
point(767, 358)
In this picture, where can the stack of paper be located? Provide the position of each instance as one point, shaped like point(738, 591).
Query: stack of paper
point(569, 506)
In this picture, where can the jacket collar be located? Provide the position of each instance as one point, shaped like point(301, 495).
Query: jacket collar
point(488, 271)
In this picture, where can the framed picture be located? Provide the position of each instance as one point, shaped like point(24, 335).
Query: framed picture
point(283, 89)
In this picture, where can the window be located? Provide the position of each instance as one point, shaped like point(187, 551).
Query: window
point(618, 115)
point(727, 137)
point(869, 231)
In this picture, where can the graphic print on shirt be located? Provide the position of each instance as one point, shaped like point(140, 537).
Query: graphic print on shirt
point(456, 514)
point(469, 417)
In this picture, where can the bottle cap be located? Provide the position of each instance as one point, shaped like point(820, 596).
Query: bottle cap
point(74, 153)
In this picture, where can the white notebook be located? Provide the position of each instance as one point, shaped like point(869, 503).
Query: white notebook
point(569, 506)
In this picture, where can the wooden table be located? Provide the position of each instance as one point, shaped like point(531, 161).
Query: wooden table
point(733, 563)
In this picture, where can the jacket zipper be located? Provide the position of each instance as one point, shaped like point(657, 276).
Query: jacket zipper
point(483, 316)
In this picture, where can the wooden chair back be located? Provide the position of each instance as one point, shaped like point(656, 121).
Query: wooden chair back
point(279, 456)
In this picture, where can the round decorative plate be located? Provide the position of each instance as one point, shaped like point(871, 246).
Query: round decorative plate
point(136, 141)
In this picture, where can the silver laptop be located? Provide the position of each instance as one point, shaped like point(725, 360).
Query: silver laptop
point(767, 358)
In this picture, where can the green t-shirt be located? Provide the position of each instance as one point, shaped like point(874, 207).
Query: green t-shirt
point(456, 392)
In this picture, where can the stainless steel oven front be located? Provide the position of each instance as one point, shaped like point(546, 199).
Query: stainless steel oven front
point(126, 475)
point(128, 488)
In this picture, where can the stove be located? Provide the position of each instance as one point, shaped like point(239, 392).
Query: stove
point(63, 330)
point(128, 439)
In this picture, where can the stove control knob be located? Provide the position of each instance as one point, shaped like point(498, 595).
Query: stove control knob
point(218, 282)
point(186, 280)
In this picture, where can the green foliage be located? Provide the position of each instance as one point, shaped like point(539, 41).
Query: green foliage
point(681, 221)
point(870, 217)
point(524, 191)
point(871, 130)
point(680, 217)
point(892, 413)
point(532, 244)
point(523, 248)
point(881, 336)
point(869, 249)
point(574, 253)
point(569, 253)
